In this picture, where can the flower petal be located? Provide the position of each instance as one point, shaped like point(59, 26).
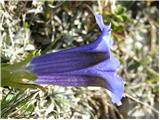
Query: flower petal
point(66, 61)
point(87, 77)
point(71, 80)
point(102, 44)
point(99, 21)
point(115, 85)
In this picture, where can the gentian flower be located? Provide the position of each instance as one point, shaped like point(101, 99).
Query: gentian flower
point(89, 65)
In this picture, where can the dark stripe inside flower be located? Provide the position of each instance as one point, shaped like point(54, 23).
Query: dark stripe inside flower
point(88, 65)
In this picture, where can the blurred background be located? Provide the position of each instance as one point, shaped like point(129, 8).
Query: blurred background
point(48, 26)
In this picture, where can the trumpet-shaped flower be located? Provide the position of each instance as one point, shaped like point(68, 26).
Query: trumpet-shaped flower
point(89, 65)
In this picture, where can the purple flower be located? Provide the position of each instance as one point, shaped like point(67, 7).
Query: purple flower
point(89, 65)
